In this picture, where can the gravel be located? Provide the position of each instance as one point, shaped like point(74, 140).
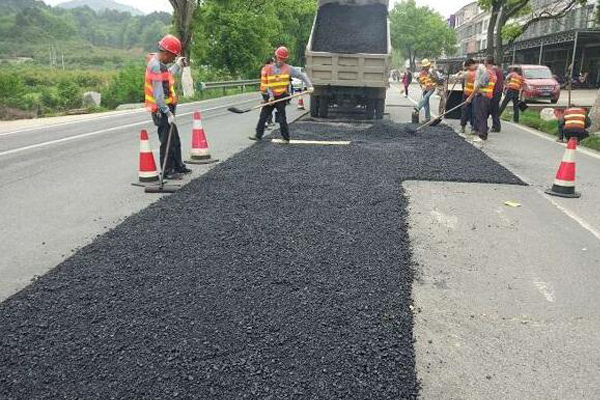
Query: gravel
point(351, 29)
point(283, 273)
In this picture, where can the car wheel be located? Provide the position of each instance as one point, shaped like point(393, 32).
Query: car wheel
point(554, 101)
point(314, 106)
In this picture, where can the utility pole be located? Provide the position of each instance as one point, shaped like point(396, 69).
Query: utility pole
point(62, 56)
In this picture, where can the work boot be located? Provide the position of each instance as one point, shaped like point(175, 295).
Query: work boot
point(254, 137)
point(463, 129)
point(496, 130)
point(173, 176)
point(183, 170)
point(483, 136)
point(286, 140)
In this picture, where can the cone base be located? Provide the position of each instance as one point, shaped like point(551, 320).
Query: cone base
point(574, 195)
point(149, 179)
point(202, 161)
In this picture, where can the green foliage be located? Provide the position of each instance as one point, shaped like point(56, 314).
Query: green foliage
point(419, 32)
point(511, 31)
point(127, 86)
point(237, 36)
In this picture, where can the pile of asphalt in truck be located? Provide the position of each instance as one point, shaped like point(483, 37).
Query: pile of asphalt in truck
point(342, 28)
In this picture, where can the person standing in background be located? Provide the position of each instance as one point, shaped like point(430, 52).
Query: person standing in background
point(468, 77)
point(498, 90)
point(406, 80)
point(514, 86)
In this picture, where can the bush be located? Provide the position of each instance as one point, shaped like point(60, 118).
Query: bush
point(126, 87)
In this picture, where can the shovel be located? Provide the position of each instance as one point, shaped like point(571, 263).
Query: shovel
point(162, 188)
point(238, 111)
point(437, 120)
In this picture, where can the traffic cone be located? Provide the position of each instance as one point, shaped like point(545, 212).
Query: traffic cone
point(301, 104)
point(564, 184)
point(200, 153)
point(147, 172)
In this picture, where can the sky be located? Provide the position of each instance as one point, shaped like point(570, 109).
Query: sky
point(445, 7)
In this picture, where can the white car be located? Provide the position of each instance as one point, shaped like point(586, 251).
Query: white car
point(297, 84)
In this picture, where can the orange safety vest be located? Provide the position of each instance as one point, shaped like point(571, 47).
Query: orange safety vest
point(515, 81)
point(469, 83)
point(168, 80)
point(263, 79)
point(488, 91)
point(278, 83)
point(426, 80)
point(575, 119)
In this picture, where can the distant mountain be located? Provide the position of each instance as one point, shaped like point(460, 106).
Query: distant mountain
point(18, 5)
point(100, 5)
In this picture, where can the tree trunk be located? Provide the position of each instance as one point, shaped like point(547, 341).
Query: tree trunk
point(499, 50)
point(595, 115)
point(183, 16)
point(492, 29)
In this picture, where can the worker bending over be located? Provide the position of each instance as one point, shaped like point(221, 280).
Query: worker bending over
point(428, 80)
point(161, 100)
point(514, 86)
point(573, 123)
point(278, 79)
point(468, 77)
point(483, 93)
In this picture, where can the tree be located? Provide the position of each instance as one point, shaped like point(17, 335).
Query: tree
point(419, 32)
point(183, 16)
point(503, 11)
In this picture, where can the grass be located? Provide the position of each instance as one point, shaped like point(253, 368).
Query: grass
point(532, 119)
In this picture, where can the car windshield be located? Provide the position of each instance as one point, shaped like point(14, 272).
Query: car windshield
point(537, 73)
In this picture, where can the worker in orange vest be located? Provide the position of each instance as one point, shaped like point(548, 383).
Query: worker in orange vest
point(263, 86)
point(428, 81)
point(483, 93)
point(573, 123)
point(161, 101)
point(513, 86)
point(278, 80)
point(468, 76)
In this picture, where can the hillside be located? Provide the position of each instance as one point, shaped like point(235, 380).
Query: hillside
point(100, 5)
point(85, 37)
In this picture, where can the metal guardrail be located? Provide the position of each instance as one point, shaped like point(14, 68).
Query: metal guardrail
point(228, 84)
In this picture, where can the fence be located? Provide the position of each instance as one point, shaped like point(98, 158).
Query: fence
point(227, 84)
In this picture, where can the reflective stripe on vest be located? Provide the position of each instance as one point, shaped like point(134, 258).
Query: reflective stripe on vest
point(426, 80)
point(263, 79)
point(278, 83)
point(470, 83)
point(168, 82)
point(488, 91)
point(515, 82)
point(575, 119)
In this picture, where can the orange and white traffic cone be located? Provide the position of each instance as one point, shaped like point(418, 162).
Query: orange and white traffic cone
point(200, 153)
point(147, 171)
point(301, 104)
point(564, 184)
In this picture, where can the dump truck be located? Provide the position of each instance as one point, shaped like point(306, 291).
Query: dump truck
point(348, 57)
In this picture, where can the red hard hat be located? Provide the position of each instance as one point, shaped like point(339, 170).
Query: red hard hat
point(282, 53)
point(171, 44)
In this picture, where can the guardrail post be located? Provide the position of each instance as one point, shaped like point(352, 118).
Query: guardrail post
point(243, 88)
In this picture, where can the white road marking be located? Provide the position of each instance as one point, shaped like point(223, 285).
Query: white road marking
point(549, 138)
point(546, 289)
point(322, 142)
point(118, 114)
point(84, 135)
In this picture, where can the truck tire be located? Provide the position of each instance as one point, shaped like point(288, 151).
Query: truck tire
point(314, 106)
point(323, 107)
point(379, 108)
point(370, 114)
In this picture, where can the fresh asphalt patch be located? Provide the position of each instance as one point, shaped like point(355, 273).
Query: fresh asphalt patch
point(285, 272)
point(351, 29)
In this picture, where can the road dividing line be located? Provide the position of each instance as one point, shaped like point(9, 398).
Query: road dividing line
point(546, 289)
point(321, 142)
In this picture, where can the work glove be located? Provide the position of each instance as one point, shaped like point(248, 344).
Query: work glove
point(180, 62)
point(310, 89)
point(171, 118)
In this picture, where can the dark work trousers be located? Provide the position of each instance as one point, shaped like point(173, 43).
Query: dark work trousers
point(281, 118)
point(495, 111)
point(266, 99)
point(467, 114)
point(175, 162)
point(406, 89)
point(511, 94)
point(482, 112)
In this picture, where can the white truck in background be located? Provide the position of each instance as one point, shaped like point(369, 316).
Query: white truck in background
point(345, 79)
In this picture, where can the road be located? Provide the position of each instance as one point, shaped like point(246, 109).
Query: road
point(504, 298)
point(65, 183)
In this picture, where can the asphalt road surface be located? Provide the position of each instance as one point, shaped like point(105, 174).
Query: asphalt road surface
point(63, 184)
point(503, 296)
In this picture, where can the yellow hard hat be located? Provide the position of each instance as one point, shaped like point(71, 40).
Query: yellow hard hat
point(425, 62)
